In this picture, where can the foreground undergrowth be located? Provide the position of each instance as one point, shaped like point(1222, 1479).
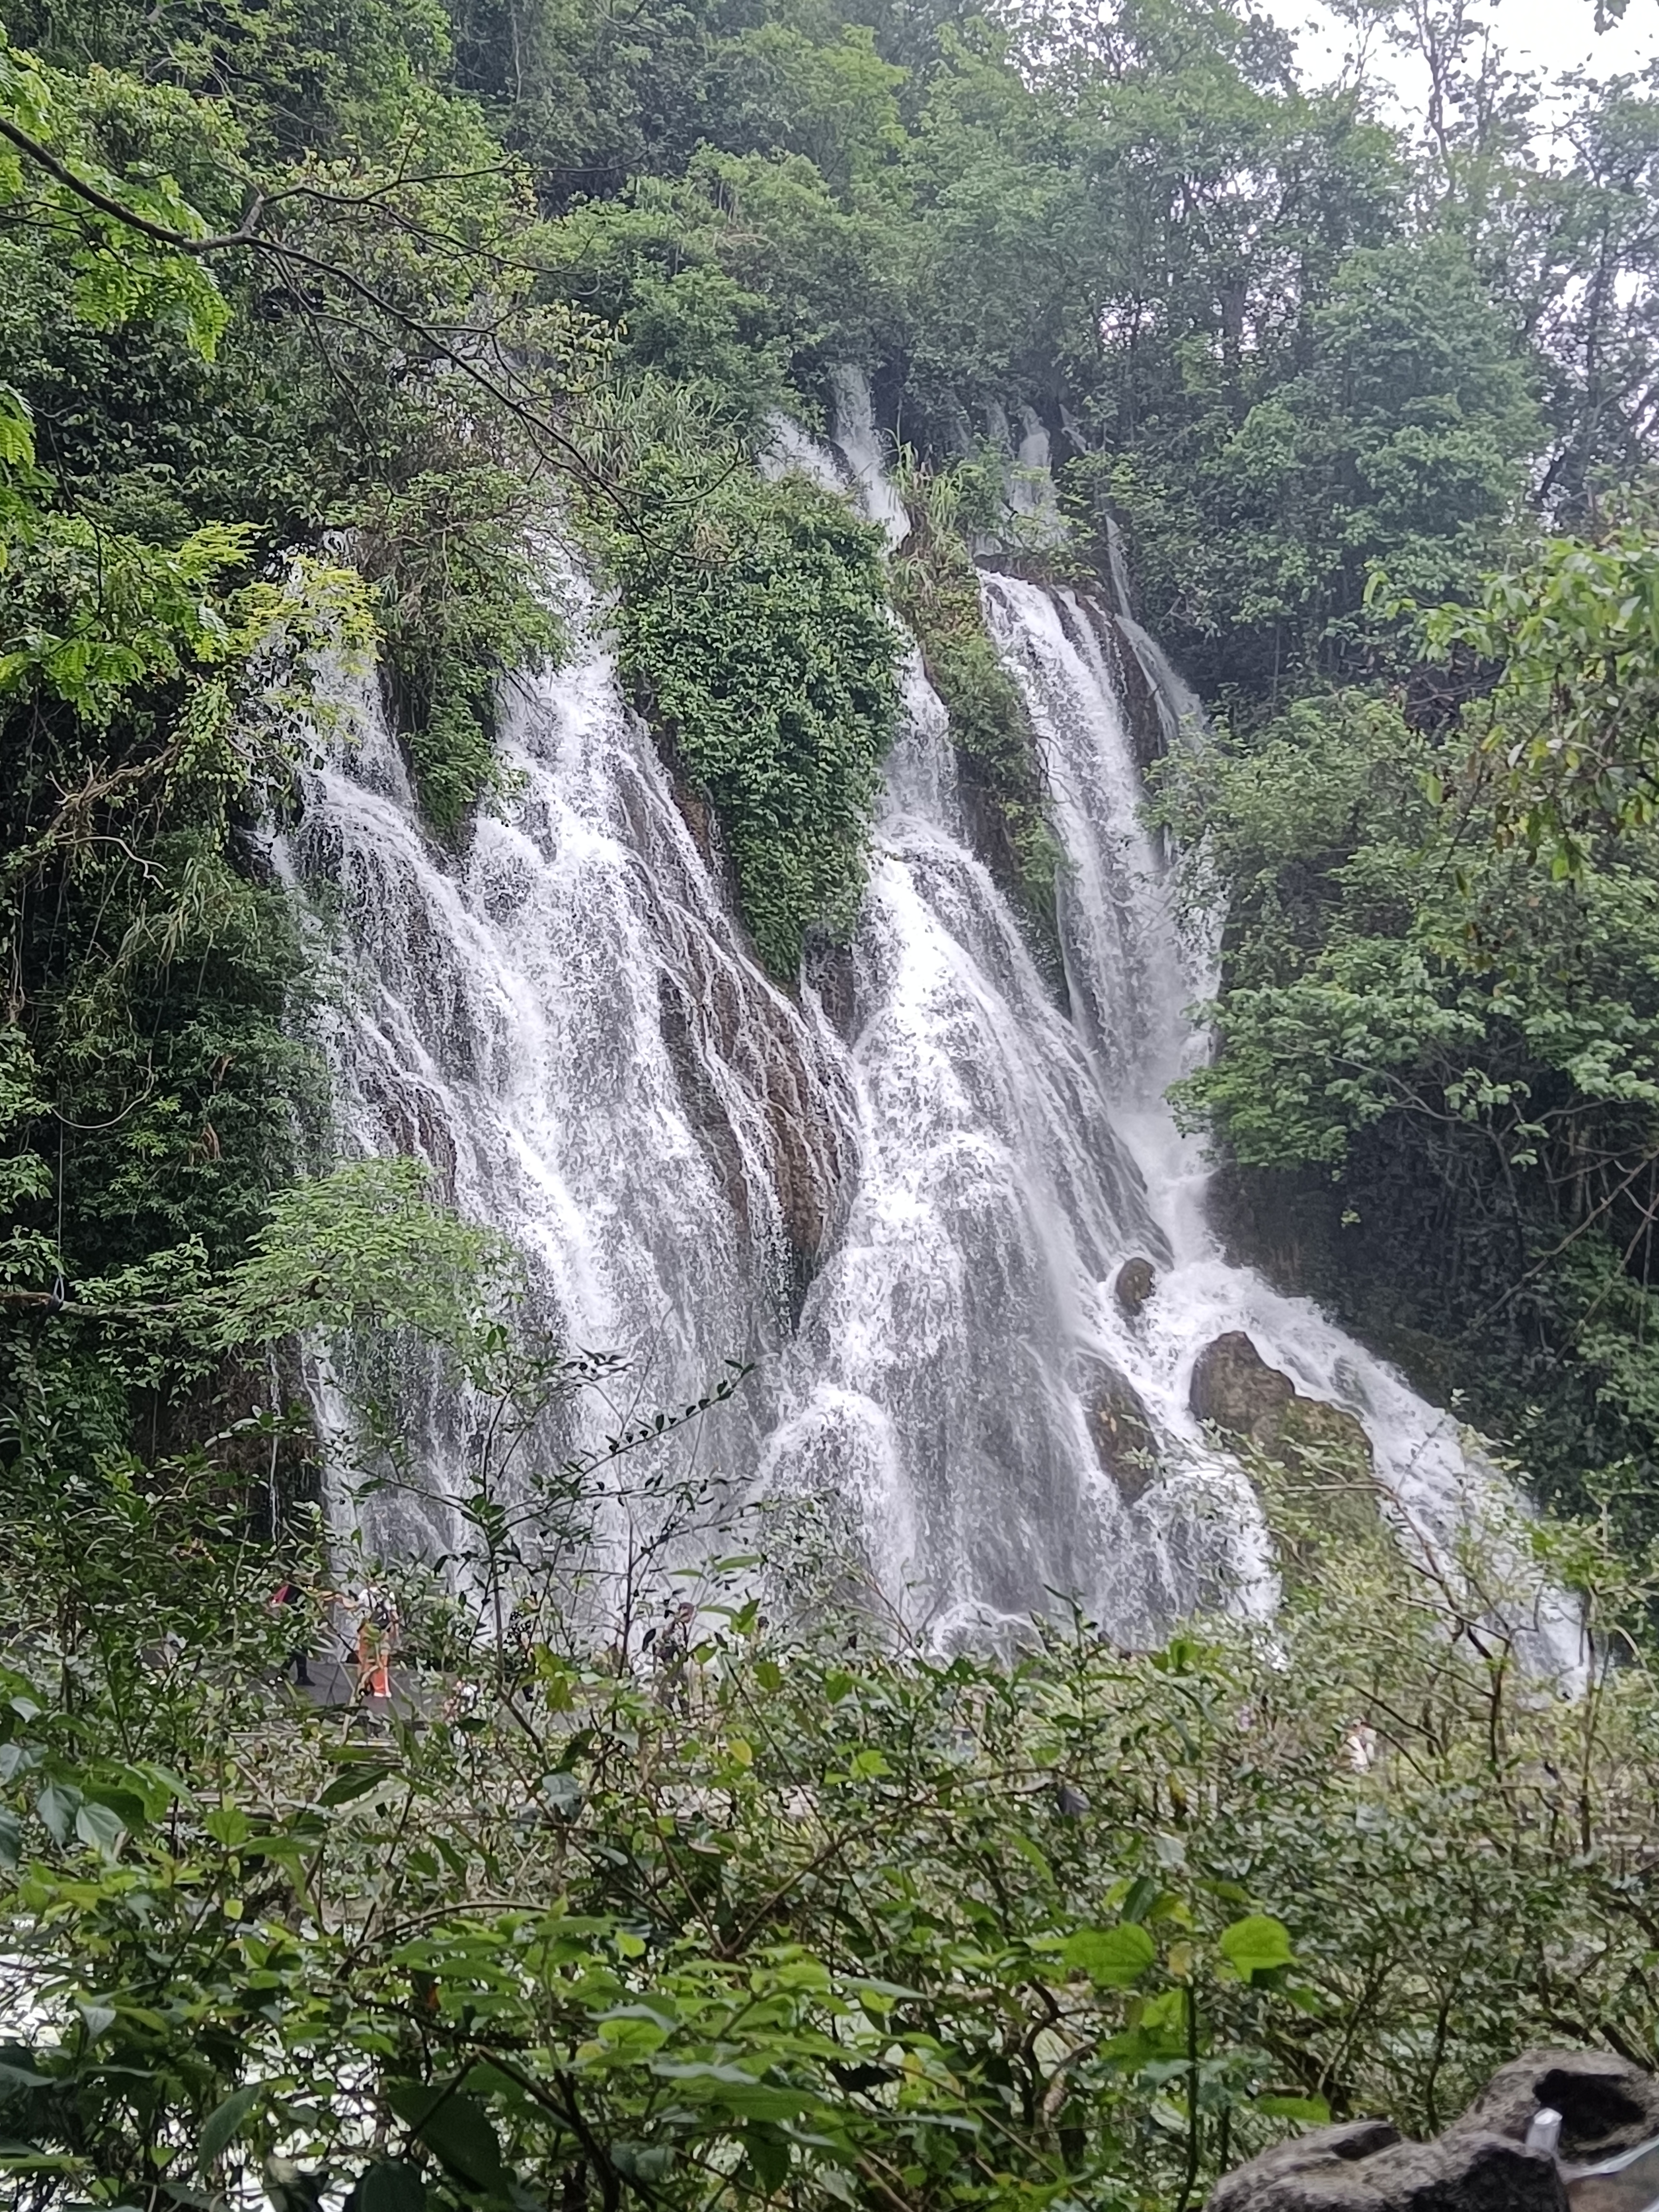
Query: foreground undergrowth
point(795, 1916)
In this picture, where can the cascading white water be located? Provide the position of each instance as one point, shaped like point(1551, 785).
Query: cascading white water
point(564, 1022)
point(950, 1348)
point(564, 1019)
point(1132, 979)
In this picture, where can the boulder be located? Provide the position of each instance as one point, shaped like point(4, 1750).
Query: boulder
point(1316, 1443)
point(1364, 2166)
point(1606, 2104)
point(1481, 2163)
point(1136, 1281)
point(1234, 1387)
point(1120, 1430)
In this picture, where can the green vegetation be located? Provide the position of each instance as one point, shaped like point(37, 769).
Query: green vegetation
point(774, 1919)
point(1438, 1025)
point(754, 631)
point(461, 604)
point(936, 589)
point(227, 325)
point(315, 320)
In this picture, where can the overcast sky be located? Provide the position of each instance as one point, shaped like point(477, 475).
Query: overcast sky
point(1552, 35)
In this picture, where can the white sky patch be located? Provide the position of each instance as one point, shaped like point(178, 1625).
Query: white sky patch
point(1549, 36)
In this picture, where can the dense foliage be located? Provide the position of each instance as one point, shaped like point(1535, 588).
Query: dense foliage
point(317, 320)
point(754, 630)
point(936, 589)
point(193, 389)
point(1437, 1030)
point(772, 1918)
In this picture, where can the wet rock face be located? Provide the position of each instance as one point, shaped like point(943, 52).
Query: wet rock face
point(1481, 2163)
point(1136, 1281)
point(1121, 1433)
point(803, 1166)
point(830, 972)
point(1366, 2168)
point(1234, 1389)
point(1139, 699)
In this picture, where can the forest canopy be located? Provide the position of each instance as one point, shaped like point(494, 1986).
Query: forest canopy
point(389, 279)
point(313, 315)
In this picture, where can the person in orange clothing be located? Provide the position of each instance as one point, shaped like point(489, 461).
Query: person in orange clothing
point(377, 1639)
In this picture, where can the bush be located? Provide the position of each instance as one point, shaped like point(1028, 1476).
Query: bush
point(754, 631)
point(779, 1916)
point(936, 589)
point(462, 604)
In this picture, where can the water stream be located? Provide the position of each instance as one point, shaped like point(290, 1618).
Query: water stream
point(904, 1196)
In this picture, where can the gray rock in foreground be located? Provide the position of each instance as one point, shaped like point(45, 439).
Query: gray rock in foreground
point(1481, 2163)
point(1606, 2103)
point(1366, 2168)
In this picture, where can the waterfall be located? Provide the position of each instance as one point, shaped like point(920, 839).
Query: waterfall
point(562, 1020)
point(953, 1347)
point(1132, 978)
point(905, 1195)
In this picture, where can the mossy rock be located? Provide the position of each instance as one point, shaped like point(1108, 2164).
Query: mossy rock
point(1121, 1430)
point(1323, 1450)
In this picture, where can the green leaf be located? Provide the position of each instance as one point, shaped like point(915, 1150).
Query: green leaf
point(1314, 2111)
point(1112, 1958)
point(1257, 1945)
point(224, 2123)
point(100, 1827)
point(563, 1793)
point(739, 2092)
point(642, 2162)
point(56, 1806)
point(228, 1825)
point(768, 2152)
point(632, 2036)
point(355, 1782)
point(455, 2128)
point(388, 2186)
point(11, 1838)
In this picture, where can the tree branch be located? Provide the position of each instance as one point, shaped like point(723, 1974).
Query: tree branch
point(248, 235)
point(179, 241)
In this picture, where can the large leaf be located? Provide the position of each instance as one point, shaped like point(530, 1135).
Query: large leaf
point(357, 1781)
point(642, 2162)
point(563, 1793)
point(224, 2123)
point(98, 1825)
point(1112, 1958)
point(731, 2088)
point(455, 2128)
point(57, 1805)
point(388, 2186)
point(768, 2154)
point(1257, 1945)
